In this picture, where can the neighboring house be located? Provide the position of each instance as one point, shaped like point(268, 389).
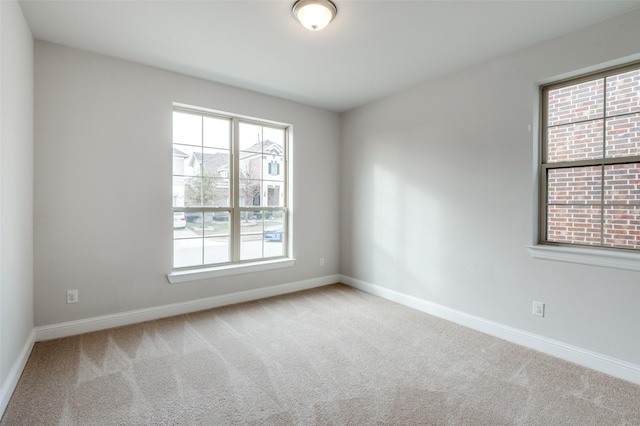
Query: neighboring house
point(210, 165)
point(263, 161)
point(179, 158)
point(261, 174)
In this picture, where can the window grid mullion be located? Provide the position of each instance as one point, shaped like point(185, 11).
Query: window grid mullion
point(602, 206)
point(202, 184)
point(235, 202)
point(604, 155)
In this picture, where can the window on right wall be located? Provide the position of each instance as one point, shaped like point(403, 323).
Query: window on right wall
point(590, 160)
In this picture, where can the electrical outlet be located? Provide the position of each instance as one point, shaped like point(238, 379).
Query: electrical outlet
point(322, 261)
point(538, 309)
point(72, 296)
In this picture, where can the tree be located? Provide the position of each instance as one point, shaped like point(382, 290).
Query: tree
point(250, 178)
point(202, 190)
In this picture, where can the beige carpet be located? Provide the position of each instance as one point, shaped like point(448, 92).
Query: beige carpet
point(328, 356)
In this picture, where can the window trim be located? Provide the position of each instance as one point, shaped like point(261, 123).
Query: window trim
point(587, 255)
point(615, 257)
point(238, 266)
point(195, 274)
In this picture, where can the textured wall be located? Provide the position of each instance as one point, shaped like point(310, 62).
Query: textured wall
point(439, 198)
point(103, 184)
point(16, 194)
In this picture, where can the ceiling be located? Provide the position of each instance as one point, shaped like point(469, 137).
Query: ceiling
point(372, 49)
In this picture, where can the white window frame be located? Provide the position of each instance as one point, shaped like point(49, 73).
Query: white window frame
point(236, 265)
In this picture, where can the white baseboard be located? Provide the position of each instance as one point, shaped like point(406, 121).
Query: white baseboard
point(10, 383)
point(87, 325)
point(605, 364)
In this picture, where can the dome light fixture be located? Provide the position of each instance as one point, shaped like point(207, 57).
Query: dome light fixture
point(314, 14)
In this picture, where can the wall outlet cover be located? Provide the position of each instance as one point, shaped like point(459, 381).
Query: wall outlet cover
point(538, 308)
point(72, 296)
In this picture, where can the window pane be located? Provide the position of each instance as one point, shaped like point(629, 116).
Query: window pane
point(209, 186)
point(213, 163)
point(263, 234)
point(193, 226)
point(204, 239)
point(251, 230)
point(207, 192)
point(623, 93)
point(251, 222)
point(180, 158)
point(185, 157)
point(216, 132)
point(622, 184)
point(187, 128)
point(256, 138)
point(201, 224)
point(187, 252)
point(220, 193)
point(181, 155)
point(274, 194)
point(250, 192)
point(206, 224)
point(273, 168)
point(575, 185)
point(220, 222)
point(574, 224)
point(274, 234)
point(274, 141)
point(216, 250)
point(623, 136)
point(575, 142)
point(178, 191)
point(622, 227)
point(213, 224)
point(579, 102)
point(180, 225)
point(194, 192)
point(251, 247)
point(250, 165)
point(251, 137)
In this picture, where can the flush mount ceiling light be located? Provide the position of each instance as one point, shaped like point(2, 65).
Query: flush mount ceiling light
point(314, 14)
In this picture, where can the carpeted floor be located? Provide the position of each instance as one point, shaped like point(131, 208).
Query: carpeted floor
point(328, 356)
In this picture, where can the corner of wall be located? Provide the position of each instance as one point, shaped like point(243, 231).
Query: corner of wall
point(17, 334)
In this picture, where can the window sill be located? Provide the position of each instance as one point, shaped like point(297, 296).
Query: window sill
point(223, 271)
point(587, 256)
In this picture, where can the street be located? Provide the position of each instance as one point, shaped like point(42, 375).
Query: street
point(191, 250)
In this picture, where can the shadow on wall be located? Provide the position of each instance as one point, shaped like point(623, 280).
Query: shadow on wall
point(405, 228)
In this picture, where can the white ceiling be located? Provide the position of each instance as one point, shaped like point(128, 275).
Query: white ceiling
point(371, 50)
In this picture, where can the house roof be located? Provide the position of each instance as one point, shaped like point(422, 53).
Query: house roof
point(178, 153)
point(212, 163)
point(217, 162)
point(264, 147)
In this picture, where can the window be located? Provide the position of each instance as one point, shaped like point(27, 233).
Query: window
point(229, 189)
point(590, 160)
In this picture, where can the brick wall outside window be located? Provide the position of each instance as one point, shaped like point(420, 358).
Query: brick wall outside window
point(591, 160)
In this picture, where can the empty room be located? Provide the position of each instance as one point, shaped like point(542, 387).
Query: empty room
point(319, 212)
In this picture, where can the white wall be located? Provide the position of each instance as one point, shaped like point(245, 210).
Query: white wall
point(103, 190)
point(438, 199)
point(16, 195)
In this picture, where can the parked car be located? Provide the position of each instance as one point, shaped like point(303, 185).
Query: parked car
point(193, 217)
point(179, 220)
point(273, 233)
